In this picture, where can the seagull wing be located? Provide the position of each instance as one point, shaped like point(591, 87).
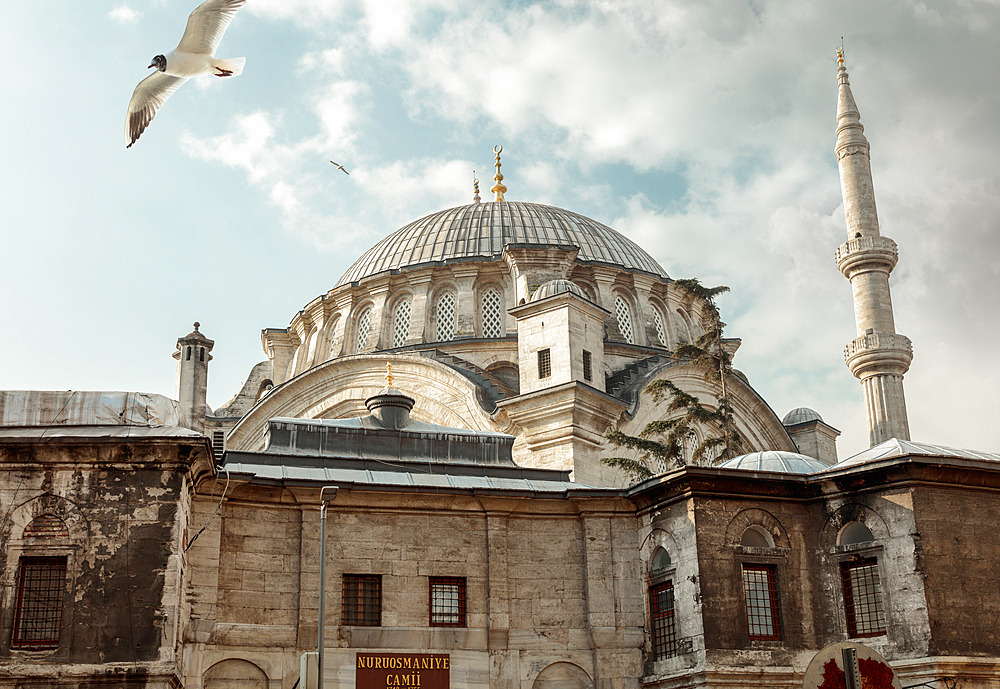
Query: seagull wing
point(206, 25)
point(148, 97)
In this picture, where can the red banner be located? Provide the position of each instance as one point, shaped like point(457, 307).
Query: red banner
point(403, 671)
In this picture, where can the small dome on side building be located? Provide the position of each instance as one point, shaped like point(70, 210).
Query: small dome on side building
point(777, 461)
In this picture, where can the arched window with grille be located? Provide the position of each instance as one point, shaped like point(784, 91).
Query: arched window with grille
point(492, 313)
point(660, 330)
point(364, 327)
point(624, 315)
point(446, 317)
point(401, 322)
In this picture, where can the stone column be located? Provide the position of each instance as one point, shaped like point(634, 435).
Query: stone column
point(418, 314)
point(465, 317)
point(193, 355)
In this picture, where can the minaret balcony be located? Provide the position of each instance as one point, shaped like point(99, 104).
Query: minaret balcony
point(866, 253)
point(879, 353)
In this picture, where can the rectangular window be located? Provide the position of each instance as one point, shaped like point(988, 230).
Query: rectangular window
point(661, 612)
point(863, 598)
point(587, 372)
point(362, 604)
point(41, 586)
point(447, 602)
point(218, 443)
point(760, 589)
point(544, 363)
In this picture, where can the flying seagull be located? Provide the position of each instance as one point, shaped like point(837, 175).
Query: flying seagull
point(194, 56)
point(341, 167)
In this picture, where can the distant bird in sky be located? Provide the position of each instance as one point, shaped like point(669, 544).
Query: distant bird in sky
point(194, 56)
point(341, 167)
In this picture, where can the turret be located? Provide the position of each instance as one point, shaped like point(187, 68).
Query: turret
point(193, 355)
point(878, 356)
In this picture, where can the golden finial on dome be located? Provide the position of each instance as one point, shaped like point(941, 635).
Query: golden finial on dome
point(498, 188)
point(475, 184)
point(840, 52)
point(388, 374)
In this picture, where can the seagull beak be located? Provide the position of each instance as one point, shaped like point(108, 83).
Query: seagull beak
point(151, 66)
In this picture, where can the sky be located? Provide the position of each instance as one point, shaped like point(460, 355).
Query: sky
point(704, 131)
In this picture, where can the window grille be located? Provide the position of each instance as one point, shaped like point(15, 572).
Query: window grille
point(863, 598)
point(763, 613)
point(492, 313)
point(218, 443)
point(587, 367)
point(364, 325)
point(624, 319)
point(544, 363)
point(362, 601)
point(446, 317)
point(447, 602)
point(661, 612)
point(660, 332)
point(401, 323)
point(41, 586)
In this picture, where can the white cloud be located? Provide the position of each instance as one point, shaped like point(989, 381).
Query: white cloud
point(123, 14)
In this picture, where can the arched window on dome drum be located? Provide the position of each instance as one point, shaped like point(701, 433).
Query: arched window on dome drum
point(364, 326)
point(401, 323)
point(660, 332)
point(492, 313)
point(624, 319)
point(446, 317)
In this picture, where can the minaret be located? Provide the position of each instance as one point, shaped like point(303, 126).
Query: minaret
point(193, 354)
point(879, 356)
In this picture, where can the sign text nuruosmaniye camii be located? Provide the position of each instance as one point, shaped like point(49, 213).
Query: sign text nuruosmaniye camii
point(403, 671)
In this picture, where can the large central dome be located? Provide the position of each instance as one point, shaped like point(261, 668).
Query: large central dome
point(481, 230)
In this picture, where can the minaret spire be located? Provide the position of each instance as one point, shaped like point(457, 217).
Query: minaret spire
point(879, 356)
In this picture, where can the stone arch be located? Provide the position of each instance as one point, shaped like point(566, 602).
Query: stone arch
point(656, 539)
point(563, 675)
point(365, 309)
point(763, 519)
point(338, 389)
point(329, 339)
point(234, 673)
point(487, 319)
point(399, 318)
point(626, 313)
point(853, 512)
point(434, 318)
point(77, 528)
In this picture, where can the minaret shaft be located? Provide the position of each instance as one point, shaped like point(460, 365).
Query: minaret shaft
point(879, 356)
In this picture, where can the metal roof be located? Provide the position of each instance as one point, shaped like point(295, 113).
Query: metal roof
point(895, 447)
point(777, 461)
point(482, 230)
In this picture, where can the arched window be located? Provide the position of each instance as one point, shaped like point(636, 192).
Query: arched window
point(401, 323)
point(492, 313)
point(756, 537)
point(660, 332)
point(364, 326)
point(661, 559)
point(684, 331)
point(624, 316)
point(446, 317)
point(853, 533)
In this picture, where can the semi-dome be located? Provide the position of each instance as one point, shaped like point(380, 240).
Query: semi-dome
point(482, 230)
point(777, 461)
point(554, 287)
point(800, 415)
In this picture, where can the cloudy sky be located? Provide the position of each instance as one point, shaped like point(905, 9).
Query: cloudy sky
point(702, 130)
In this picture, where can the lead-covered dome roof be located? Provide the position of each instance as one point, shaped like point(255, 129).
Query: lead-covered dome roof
point(481, 230)
point(777, 461)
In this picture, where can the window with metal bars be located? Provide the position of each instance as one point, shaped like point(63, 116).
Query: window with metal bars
point(661, 613)
point(41, 587)
point(544, 363)
point(492, 313)
point(447, 602)
point(446, 309)
point(760, 588)
point(401, 323)
point(362, 601)
point(624, 316)
point(863, 597)
point(588, 372)
point(364, 326)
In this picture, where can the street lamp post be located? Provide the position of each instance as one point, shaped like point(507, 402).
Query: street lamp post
point(326, 496)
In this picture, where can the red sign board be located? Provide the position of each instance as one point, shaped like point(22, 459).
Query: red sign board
point(403, 671)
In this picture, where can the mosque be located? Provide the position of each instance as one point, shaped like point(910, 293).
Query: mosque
point(446, 521)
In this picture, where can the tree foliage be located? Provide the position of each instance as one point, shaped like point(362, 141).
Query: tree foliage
point(663, 443)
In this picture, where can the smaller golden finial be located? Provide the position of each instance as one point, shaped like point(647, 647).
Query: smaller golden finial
point(388, 374)
point(475, 184)
point(840, 52)
point(499, 189)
